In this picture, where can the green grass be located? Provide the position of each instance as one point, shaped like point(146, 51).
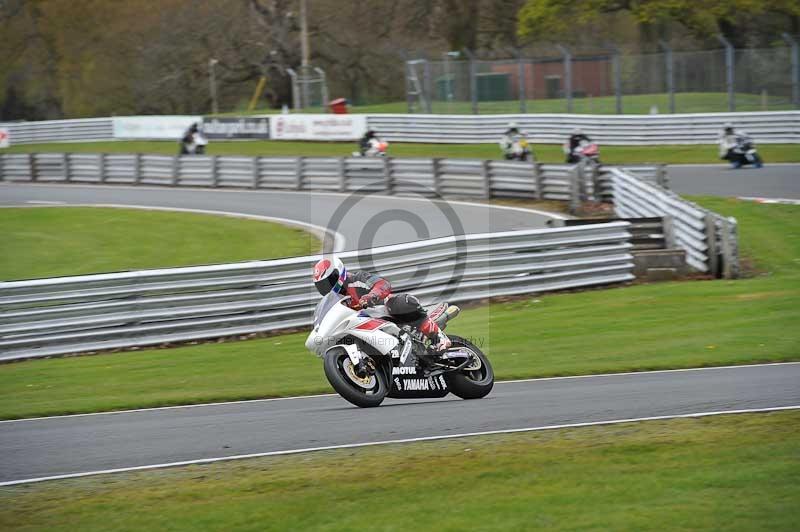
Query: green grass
point(548, 153)
point(735, 472)
point(685, 102)
point(56, 241)
point(657, 326)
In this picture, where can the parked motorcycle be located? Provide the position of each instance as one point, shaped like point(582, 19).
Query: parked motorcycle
point(584, 151)
point(744, 153)
point(375, 148)
point(369, 355)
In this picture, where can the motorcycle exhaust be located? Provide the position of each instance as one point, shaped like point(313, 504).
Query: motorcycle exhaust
point(451, 312)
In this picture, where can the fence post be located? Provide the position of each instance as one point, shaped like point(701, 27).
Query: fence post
point(729, 78)
point(426, 86)
point(523, 102)
point(795, 54)
point(616, 67)
point(711, 242)
point(137, 168)
point(669, 73)
point(387, 175)
point(256, 173)
point(661, 176)
point(567, 75)
point(65, 163)
point(473, 80)
point(342, 174)
point(437, 179)
point(298, 175)
point(214, 172)
point(101, 167)
point(32, 165)
point(2, 167)
point(538, 180)
point(596, 187)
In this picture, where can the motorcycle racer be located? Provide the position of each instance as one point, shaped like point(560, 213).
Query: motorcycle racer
point(368, 290)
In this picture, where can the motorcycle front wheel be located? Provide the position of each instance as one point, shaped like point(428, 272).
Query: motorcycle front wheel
point(365, 392)
point(474, 381)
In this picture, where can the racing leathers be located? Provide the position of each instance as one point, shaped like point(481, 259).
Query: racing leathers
point(367, 290)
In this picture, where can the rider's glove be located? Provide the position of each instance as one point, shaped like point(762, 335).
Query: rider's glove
point(369, 300)
point(443, 343)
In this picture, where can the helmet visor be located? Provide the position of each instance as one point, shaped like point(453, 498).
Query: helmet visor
point(324, 286)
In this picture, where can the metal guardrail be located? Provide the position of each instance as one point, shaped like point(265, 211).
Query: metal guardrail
point(765, 127)
point(95, 312)
point(470, 178)
point(709, 239)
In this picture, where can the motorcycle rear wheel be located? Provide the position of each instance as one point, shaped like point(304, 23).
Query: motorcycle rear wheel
point(366, 394)
point(471, 383)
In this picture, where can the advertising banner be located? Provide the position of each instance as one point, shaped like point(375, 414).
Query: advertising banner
point(318, 127)
point(153, 127)
point(236, 128)
point(5, 137)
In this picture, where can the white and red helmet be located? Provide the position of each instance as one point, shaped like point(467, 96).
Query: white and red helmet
point(329, 275)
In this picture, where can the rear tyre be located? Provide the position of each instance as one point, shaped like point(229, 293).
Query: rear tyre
point(474, 381)
point(363, 392)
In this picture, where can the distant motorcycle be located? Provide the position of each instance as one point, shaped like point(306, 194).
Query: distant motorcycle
point(194, 144)
point(584, 151)
point(369, 355)
point(744, 153)
point(517, 149)
point(375, 148)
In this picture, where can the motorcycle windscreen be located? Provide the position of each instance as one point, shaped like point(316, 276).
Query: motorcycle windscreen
point(325, 305)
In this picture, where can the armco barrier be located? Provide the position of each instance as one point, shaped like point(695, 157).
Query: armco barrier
point(470, 178)
point(710, 240)
point(765, 127)
point(92, 312)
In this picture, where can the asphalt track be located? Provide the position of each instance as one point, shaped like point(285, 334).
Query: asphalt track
point(771, 181)
point(70, 445)
point(363, 221)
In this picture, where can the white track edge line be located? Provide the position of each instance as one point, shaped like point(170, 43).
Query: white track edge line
point(548, 214)
point(339, 241)
point(398, 441)
point(315, 396)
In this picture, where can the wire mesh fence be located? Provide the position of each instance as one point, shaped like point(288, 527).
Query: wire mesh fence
point(608, 82)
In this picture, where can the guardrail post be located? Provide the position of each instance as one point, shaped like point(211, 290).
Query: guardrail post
point(298, 176)
point(730, 249)
point(342, 175)
point(101, 166)
point(387, 175)
point(487, 180)
point(137, 168)
point(214, 172)
point(580, 171)
point(65, 161)
point(668, 230)
point(538, 179)
point(574, 189)
point(437, 178)
point(661, 176)
point(256, 175)
point(33, 167)
point(2, 167)
point(596, 192)
point(711, 242)
point(175, 163)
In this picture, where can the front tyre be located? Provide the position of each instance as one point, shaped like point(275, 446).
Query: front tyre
point(365, 392)
point(474, 381)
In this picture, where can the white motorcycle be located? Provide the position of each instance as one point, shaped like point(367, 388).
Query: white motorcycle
point(376, 148)
point(369, 355)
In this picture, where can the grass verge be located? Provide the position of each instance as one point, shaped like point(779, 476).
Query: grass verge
point(548, 153)
point(657, 326)
point(736, 472)
point(55, 241)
